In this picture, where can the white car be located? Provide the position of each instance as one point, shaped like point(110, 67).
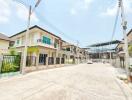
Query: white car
point(89, 62)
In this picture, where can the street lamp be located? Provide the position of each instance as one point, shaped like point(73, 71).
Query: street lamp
point(27, 32)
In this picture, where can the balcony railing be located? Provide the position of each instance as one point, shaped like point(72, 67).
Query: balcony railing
point(52, 45)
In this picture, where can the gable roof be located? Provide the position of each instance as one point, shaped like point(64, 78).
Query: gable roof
point(4, 37)
point(129, 32)
point(35, 26)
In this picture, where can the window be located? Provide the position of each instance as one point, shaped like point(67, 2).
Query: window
point(46, 40)
point(18, 41)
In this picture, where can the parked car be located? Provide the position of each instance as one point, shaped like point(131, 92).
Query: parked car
point(89, 62)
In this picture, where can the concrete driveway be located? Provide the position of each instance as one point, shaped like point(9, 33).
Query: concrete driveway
point(80, 82)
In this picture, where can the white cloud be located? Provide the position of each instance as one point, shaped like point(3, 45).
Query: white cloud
point(8, 8)
point(80, 5)
point(5, 11)
point(73, 11)
point(87, 3)
point(111, 11)
point(22, 13)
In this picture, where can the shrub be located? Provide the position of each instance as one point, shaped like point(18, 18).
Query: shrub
point(11, 66)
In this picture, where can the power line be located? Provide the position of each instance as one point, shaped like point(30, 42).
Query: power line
point(54, 27)
point(115, 24)
point(114, 30)
point(48, 23)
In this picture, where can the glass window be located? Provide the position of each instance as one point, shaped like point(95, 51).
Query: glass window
point(18, 41)
point(46, 40)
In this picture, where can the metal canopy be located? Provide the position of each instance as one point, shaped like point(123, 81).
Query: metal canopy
point(105, 43)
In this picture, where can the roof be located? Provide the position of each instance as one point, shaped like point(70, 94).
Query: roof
point(4, 37)
point(35, 26)
point(85, 48)
point(129, 32)
point(105, 43)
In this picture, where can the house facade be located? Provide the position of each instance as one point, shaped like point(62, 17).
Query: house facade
point(83, 55)
point(75, 54)
point(47, 44)
point(45, 49)
point(70, 51)
point(4, 44)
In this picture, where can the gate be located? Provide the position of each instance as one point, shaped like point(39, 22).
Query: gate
point(10, 63)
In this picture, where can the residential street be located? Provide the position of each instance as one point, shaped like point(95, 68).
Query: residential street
point(79, 82)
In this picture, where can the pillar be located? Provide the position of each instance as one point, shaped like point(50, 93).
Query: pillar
point(60, 60)
point(47, 58)
point(37, 61)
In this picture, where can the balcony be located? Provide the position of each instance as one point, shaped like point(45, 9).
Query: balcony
point(68, 52)
point(39, 42)
point(47, 45)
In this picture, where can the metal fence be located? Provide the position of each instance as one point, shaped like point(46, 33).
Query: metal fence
point(10, 63)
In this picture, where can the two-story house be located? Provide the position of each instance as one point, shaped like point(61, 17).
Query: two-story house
point(69, 51)
point(83, 53)
point(74, 54)
point(4, 44)
point(48, 46)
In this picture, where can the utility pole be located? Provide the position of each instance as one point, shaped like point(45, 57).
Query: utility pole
point(27, 32)
point(26, 42)
point(124, 26)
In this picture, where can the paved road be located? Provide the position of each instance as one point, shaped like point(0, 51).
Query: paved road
point(80, 82)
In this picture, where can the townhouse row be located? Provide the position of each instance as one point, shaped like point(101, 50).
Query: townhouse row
point(45, 49)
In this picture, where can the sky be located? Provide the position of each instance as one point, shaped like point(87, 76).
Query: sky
point(86, 21)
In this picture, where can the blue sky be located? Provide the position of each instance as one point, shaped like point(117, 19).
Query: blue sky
point(89, 21)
